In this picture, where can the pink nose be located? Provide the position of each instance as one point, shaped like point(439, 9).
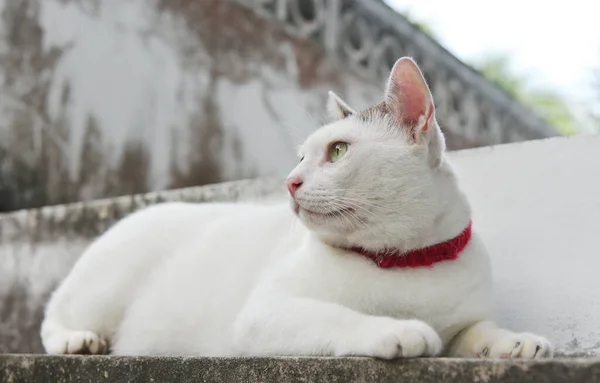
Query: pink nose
point(293, 184)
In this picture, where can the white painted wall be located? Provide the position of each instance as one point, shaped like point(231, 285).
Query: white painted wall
point(537, 205)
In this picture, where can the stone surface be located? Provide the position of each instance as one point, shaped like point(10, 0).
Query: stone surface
point(47, 369)
point(535, 204)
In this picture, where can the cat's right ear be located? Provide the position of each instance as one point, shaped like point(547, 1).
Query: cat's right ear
point(337, 108)
point(410, 103)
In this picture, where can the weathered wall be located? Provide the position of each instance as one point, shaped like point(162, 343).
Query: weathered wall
point(536, 205)
point(103, 98)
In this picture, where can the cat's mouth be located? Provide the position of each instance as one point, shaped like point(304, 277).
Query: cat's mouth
point(322, 214)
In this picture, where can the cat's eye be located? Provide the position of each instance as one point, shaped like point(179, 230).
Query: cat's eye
point(337, 151)
point(301, 159)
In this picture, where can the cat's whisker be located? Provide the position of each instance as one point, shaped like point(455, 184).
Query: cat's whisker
point(344, 193)
point(351, 217)
point(364, 205)
point(362, 201)
point(352, 223)
point(348, 203)
point(360, 220)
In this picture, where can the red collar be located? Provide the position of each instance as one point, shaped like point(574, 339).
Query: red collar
point(427, 256)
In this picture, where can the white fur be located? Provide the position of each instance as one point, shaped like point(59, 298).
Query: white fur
point(251, 279)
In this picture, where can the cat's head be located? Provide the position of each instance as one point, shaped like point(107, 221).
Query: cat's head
point(371, 176)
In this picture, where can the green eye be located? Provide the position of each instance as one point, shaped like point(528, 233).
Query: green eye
point(337, 151)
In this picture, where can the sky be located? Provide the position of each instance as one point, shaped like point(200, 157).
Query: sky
point(554, 43)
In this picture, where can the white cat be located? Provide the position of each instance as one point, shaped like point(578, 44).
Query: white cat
point(375, 258)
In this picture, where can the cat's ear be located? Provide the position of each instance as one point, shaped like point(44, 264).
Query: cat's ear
point(409, 100)
point(337, 108)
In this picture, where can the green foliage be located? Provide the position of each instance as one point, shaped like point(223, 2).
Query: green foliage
point(554, 110)
point(497, 69)
point(595, 110)
point(422, 25)
point(549, 105)
point(596, 79)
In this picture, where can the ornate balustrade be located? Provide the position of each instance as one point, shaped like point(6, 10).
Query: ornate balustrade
point(369, 36)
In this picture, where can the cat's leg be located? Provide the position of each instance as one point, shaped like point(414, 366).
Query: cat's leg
point(281, 324)
point(486, 340)
point(86, 309)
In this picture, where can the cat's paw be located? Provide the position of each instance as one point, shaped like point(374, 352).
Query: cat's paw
point(76, 342)
point(518, 346)
point(388, 339)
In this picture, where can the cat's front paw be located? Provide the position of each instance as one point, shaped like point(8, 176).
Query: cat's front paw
point(389, 338)
point(76, 342)
point(518, 346)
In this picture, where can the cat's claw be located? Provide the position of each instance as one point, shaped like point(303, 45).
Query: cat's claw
point(518, 346)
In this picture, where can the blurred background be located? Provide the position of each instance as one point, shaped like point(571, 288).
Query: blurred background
point(548, 57)
point(100, 98)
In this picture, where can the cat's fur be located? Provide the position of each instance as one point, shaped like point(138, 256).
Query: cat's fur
point(250, 279)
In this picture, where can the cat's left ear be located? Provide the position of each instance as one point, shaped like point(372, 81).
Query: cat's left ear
point(410, 102)
point(337, 108)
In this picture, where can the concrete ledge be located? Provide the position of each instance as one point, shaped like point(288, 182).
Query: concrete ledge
point(48, 369)
point(89, 219)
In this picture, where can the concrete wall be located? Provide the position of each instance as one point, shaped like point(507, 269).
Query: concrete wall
point(105, 98)
point(536, 204)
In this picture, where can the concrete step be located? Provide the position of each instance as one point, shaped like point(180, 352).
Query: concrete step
point(49, 369)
